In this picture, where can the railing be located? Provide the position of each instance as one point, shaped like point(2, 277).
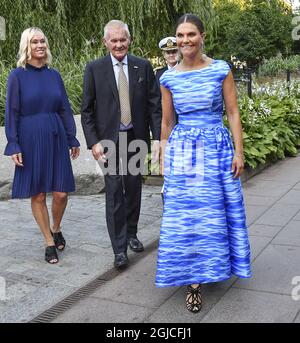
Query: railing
point(245, 76)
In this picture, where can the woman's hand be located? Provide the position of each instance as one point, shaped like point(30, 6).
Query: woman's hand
point(237, 165)
point(74, 153)
point(18, 160)
point(155, 151)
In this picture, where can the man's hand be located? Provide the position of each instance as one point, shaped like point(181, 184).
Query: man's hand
point(155, 151)
point(98, 153)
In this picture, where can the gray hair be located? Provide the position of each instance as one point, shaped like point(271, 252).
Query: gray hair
point(115, 24)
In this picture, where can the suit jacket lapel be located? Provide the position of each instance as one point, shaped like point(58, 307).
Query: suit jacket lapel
point(132, 75)
point(110, 75)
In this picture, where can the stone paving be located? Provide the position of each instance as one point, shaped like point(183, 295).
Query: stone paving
point(272, 201)
point(272, 295)
point(88, 175)
point(32, 285)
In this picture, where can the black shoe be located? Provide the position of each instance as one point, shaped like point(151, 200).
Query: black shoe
point(135, 245)
point(121, 260)
point(59, 240)
point(194, 299)
point(51, 254)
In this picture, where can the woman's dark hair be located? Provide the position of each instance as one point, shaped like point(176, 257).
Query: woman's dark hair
point(191, 18)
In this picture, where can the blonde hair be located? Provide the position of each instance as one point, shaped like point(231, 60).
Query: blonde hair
point(24, 54)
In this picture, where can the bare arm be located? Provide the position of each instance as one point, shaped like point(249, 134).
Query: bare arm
point(233, 115)
point(168, 120)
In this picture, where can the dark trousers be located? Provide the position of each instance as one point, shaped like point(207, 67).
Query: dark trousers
point(123, 198)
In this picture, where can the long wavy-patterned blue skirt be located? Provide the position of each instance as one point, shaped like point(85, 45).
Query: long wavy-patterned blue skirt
point(203, 235)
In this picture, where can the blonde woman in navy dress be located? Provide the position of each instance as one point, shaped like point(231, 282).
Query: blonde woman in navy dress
point(41, 131)
point(203, 233)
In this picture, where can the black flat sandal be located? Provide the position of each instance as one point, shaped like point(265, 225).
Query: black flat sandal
point(194, 299)
point(51, 254)
point(59, 240)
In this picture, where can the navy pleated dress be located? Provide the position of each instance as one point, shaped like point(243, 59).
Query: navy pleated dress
point(39, 123)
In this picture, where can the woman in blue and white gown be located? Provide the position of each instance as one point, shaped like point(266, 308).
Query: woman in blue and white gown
point(203, 235)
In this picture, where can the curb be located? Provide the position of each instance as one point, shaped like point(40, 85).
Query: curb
point(65, 304)
point(157, 180)
point(93, 184)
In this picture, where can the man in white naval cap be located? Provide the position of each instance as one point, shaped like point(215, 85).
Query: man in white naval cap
point(170, 52)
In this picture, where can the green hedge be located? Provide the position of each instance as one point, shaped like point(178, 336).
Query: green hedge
point(72, 74)
point(271, 123)
point(276, 65)
point(270, 120)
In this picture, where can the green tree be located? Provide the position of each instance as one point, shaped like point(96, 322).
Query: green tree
point(253, 30)
point(75, 27)
point(227, 12)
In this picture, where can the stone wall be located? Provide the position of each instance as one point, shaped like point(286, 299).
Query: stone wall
point(88, 176)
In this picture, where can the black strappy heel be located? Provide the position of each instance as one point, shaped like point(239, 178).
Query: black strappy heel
point(51, 254)
point(59, 240)
point(194, 299)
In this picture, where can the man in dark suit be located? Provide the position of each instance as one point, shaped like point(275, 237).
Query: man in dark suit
point(170, 53)
point(121, 102)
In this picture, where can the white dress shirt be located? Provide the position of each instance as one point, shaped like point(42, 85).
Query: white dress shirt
point(117, 68)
